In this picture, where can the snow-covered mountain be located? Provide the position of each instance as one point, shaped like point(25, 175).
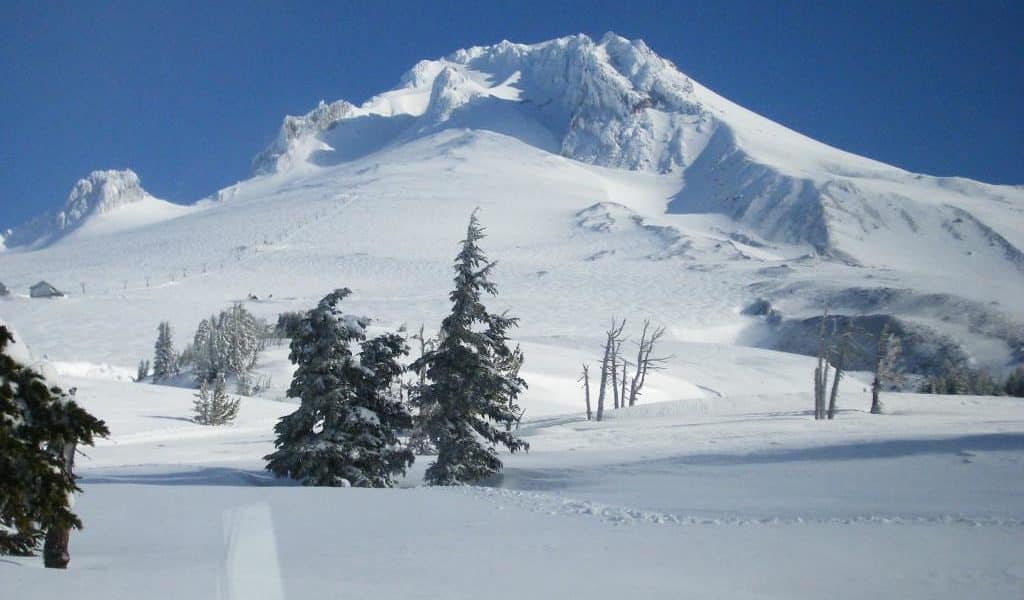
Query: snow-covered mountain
point(103, 202)
point(599, 167)
point(616, 103)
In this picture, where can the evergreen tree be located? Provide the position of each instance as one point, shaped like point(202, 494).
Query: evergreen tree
point(165, 360)
point(469, 399)
point(143, 371)
point(345, 429)
point(382, 414)
point(204, 351)
point(39, 424)
point(214, 406)
point(241, 344)
point(1014, 385)
point(225, 345)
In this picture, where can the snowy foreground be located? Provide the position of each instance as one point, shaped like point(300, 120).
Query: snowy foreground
point(738, 496)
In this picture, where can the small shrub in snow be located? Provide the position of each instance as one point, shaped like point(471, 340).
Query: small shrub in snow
point(958, 378)
point(214, 406)
point(1014, 385)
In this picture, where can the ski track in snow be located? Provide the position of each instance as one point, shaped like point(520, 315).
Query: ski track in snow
point(551, 504)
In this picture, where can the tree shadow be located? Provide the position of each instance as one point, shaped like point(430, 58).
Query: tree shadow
point(184, 419)
point(550, 480)
point(209, 476)
point(862, 450)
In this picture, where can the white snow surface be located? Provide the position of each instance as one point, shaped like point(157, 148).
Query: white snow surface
point(729, 496)
point(610, 184)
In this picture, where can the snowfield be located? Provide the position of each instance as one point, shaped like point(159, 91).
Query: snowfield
point(610, 184)
point(734, 497)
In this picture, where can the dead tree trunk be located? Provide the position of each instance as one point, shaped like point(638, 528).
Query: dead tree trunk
point(603, 384)
point(844, 347)
point(821, 371)
point(58, 537)
point(585, 380)
point(835, 392)
point(876, 404)
point(622, 393)
point(424, 344)
point(612, 337)
point(614, 366)
point(644, 361)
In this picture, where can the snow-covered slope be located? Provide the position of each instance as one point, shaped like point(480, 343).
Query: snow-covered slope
point(616, 103)
point(713, 498)
point(611, 183)
point(104, 202)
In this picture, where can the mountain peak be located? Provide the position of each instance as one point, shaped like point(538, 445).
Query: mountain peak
point(101, 192)
point(98, 196)
point(616, 103)
point(613, 102)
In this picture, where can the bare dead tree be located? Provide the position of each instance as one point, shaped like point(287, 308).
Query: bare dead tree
point(425, 345)
point(843, 348)
point(645, 362)
point(612, 338)
point(821, 370)
point(616, 358)
point(622, 393)
point(584, 380)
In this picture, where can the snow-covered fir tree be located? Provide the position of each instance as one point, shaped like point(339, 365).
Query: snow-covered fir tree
point(887, 367)
point(382, 414)
point(143, 371)
point(241, 345)
point(39, 425)
point(344, 432)
point(213, 406)
point(165, 360)
point(469, 400)
point(205, 345)
point(226, 345)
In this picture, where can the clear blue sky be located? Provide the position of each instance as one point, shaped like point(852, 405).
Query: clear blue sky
point(186, 93)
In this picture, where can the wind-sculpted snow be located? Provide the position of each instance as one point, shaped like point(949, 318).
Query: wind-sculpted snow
point(612, 103)
point(295, 130)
